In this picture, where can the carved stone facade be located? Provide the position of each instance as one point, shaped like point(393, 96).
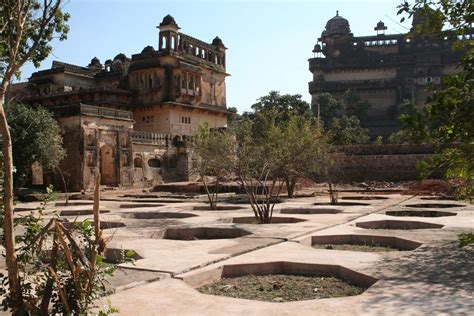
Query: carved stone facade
point(383, 69)
point(131, 116)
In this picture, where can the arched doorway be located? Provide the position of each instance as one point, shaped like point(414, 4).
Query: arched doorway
point(107, 166)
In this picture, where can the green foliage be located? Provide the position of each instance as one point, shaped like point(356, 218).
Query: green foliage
point(329, 108)
point(271, 152)
point(347, 130)
point(355, 106)
point(466, 239)
point(447, 120)
point(36, 138)
point(232, 119)
point(332, 110)
point(282, 106)
point(37, 254)
point(436, 14)
point(42, 23)
point(378, 140)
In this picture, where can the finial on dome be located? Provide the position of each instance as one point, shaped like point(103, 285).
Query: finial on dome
point(337, 12)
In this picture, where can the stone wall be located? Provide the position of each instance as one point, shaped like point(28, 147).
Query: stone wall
point(381, 162)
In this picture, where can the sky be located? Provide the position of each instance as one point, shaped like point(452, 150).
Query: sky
point(269, 41)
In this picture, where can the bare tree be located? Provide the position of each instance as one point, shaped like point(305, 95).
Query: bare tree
point(27, 28)
point(213, 152)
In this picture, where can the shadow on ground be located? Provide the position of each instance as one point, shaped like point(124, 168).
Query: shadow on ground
point(432, 279)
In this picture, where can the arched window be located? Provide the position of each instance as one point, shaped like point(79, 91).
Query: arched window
point(137, 162)
point(163, 42)
point(154, 163)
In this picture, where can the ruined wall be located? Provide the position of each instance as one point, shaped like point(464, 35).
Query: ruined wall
point(108, 148)
point(155, 164)
point(381, 162)
point(71, 165)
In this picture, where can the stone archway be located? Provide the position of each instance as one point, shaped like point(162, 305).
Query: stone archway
point(107, 166)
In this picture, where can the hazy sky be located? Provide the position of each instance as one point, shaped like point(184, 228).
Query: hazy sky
point(269, 42)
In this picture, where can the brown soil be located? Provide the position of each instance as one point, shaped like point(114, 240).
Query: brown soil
point(363, 248)
point(429, 187)
point(281, 288)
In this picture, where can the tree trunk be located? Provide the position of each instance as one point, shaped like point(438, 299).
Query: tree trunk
point(290, 187)
point(8, 227)
point(66, 191)
point(209, 195)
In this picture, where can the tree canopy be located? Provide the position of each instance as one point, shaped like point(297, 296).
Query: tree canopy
point(36, 138)
point(447, 119)
point(27, 28)
point(282, 105)
point(347, 130)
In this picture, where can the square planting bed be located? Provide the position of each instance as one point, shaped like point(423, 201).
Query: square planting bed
point(366, 243)
point(309, 210)
point(157, 215)
point(275, 220)
point(416, 213)
point(201, 233)
point(280, 281)
point(393, 224)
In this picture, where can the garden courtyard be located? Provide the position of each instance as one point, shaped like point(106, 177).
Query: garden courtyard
point(376, 252)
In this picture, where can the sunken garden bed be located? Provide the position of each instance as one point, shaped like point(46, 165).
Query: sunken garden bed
point(365, 243)
point(281, 281)
point(393, 224)
point(416, 213)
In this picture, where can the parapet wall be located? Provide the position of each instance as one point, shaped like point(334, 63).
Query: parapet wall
point(382, 162)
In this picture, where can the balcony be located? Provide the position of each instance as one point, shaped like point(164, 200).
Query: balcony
point(105, 112)
point(139, 137)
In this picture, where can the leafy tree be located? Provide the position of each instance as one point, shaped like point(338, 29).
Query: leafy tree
point(355, 106)
point(404, 136)
point(282, 105)
point(276, 155)
point(231, 120)
point(27, 28)
point(214, 155)
point(256, 167)
point(62, 265)
point(347, 130)
point(36, 137)
point(446, 120)
point(326, 108)
point(302, 142)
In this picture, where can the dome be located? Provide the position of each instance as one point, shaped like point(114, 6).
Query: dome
point(120, 57)
point(168, 21)
point(317, 48)
point(380, 26)
point(337, 26)
point(148, 50)
point(217, 41)
point(95, 61)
